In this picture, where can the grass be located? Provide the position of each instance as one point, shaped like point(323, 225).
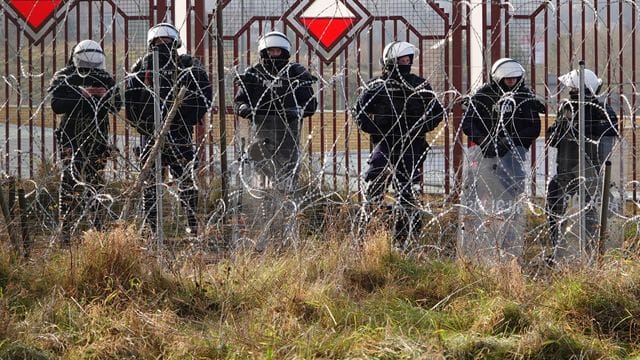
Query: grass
point(111, 298)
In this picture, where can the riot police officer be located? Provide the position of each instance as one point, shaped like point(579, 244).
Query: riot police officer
point(397, 109)
point(84, 94)
point(601, 132)
point(275, 95)
point(502, 119)
point(178, 151)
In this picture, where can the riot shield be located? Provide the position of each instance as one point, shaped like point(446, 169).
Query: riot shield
point(267, 183)
point(491, 211)
point(567, 244)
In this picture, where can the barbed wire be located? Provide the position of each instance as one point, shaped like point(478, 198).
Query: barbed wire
point(458, 206)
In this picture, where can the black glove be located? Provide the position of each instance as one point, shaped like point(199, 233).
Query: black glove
point(503, 146)
point(559, 131)
point(539, 107)
point(554, 133)
point(293, 113)
point(244, 111)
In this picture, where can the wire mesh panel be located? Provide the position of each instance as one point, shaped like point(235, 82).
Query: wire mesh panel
point(340, 45)
point(335, 151)
point(549, 39)
point(36, 45)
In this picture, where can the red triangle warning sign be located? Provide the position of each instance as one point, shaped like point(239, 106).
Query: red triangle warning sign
point(328, 26)
point(327, 30)
point(327, 21)
point(35, 12)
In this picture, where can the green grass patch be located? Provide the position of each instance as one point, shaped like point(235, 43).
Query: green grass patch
point(110, 298)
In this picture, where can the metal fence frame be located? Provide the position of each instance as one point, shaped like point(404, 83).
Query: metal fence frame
point(561, 32)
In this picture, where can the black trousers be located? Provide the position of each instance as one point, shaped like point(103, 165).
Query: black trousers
point(81, 181)
point(400, 168)
point(181, 162)
point(566, 183)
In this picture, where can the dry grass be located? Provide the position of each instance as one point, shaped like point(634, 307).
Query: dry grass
point(110, 298)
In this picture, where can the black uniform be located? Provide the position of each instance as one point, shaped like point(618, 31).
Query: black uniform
point(499, 121)
point(505, 124)
point(82, 136)
point(178, 151)
point(397, 110)
point(600, 131)
point(275, 95)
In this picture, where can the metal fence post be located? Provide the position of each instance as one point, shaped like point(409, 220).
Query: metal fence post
point(157, 117)
point(222, 113)
point(581, 161)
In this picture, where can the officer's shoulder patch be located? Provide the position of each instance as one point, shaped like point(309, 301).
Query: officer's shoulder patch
point(258, 71)
point(415, 80)
point(299, 72)
point(255, 72)
point(526, 91)
point(422, 84)
point(296, 70)
point(485, 94)
point(485, 89)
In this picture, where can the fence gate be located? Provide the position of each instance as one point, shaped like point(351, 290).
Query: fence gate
point(36, 38)
point(341, 43)
point(339, 40)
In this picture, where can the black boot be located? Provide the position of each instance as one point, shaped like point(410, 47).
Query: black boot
point(407, 227)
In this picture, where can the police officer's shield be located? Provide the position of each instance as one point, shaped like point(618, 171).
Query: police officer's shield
point(267, 182)
point(568, 244)
point(491, 207)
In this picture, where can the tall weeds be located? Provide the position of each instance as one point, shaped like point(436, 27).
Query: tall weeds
point(109, 297)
